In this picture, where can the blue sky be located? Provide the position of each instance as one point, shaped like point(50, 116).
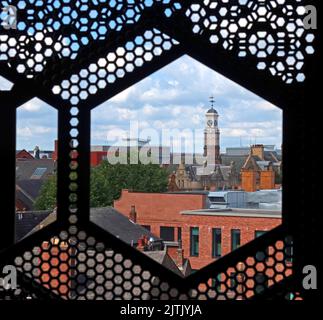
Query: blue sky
point(175, 97)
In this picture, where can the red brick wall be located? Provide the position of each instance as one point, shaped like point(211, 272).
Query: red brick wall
point(158, 210)
point(267, 180)
point(249, 181)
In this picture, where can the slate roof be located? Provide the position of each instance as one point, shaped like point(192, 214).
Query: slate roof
point(27, 221)
point(272, 156)
point(238, 160)
point(119, 225)
point(30, 187)
point(164, 259)
point(24, 199)
point(26, 168)
point(225, 171)
point(108, 219)
point(263, 164)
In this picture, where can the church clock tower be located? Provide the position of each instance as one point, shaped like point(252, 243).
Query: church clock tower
point(212, 136)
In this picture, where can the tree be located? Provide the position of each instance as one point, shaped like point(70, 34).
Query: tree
point(107, 182)
point(47, 196)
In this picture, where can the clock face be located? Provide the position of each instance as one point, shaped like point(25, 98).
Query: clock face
point(209, 123)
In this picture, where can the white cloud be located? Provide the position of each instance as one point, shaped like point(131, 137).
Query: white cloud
point(176, 96)
point(149, 110)
point(34, 105)
point(123, 96)
point(265, 105)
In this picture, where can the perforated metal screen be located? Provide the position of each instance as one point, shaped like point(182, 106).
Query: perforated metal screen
point(77, 54)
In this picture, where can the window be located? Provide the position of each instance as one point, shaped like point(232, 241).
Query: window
point(146, 227)
point(38, 173)
point(216, 243)
point(261, 256)
point(194, 239)
point(167, 233)
point(235, 239)
point(259, 233)
point(179, 234)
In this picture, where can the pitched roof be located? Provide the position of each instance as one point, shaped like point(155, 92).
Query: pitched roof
point(251, 163)
point(119, 225)
point(23, 201)
point(164, 259)
point(111, 221)
point(30, 187)
point(272, 156)
point(24, 154)
point(27, 221)
point(263, 164)
point(225, 170)
point(25, 169)
point(238, 160)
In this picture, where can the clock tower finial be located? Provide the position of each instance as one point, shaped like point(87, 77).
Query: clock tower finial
point(212, 135)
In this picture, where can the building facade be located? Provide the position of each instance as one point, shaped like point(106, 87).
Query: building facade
point(204, 234)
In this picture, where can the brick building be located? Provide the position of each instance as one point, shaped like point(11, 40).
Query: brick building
point(258, 172)
point(55, 268)
point(204, 234)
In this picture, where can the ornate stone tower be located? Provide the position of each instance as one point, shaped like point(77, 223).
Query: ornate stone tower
point(212, 136)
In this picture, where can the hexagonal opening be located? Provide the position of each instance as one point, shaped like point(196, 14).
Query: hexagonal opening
point(5, 84)
point(35, 167)
point(182, 177)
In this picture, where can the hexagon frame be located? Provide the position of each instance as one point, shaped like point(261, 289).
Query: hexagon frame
point(170, 19)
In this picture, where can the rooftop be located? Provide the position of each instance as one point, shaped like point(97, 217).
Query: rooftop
point(107, 218)
point(235, 212)
point(34, 169)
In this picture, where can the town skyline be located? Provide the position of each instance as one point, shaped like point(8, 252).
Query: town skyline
point(174, 97)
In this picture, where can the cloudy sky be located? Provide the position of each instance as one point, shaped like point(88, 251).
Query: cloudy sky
point(175, 97)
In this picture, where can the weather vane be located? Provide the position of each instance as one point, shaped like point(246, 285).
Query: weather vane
point(212, 101)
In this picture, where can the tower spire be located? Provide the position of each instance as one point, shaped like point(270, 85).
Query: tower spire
point(212, 135)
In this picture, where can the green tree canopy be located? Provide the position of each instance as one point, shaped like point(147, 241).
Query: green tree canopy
point(108, 180)
point(47, 196)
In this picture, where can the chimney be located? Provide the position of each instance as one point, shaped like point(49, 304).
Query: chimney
point(141, 244)
point(259, 151)
point(133, 214)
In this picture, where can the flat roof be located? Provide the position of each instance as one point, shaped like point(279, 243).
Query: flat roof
point(188, 192)
point(197, 192)
point(235, 212)
point(223, 193)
